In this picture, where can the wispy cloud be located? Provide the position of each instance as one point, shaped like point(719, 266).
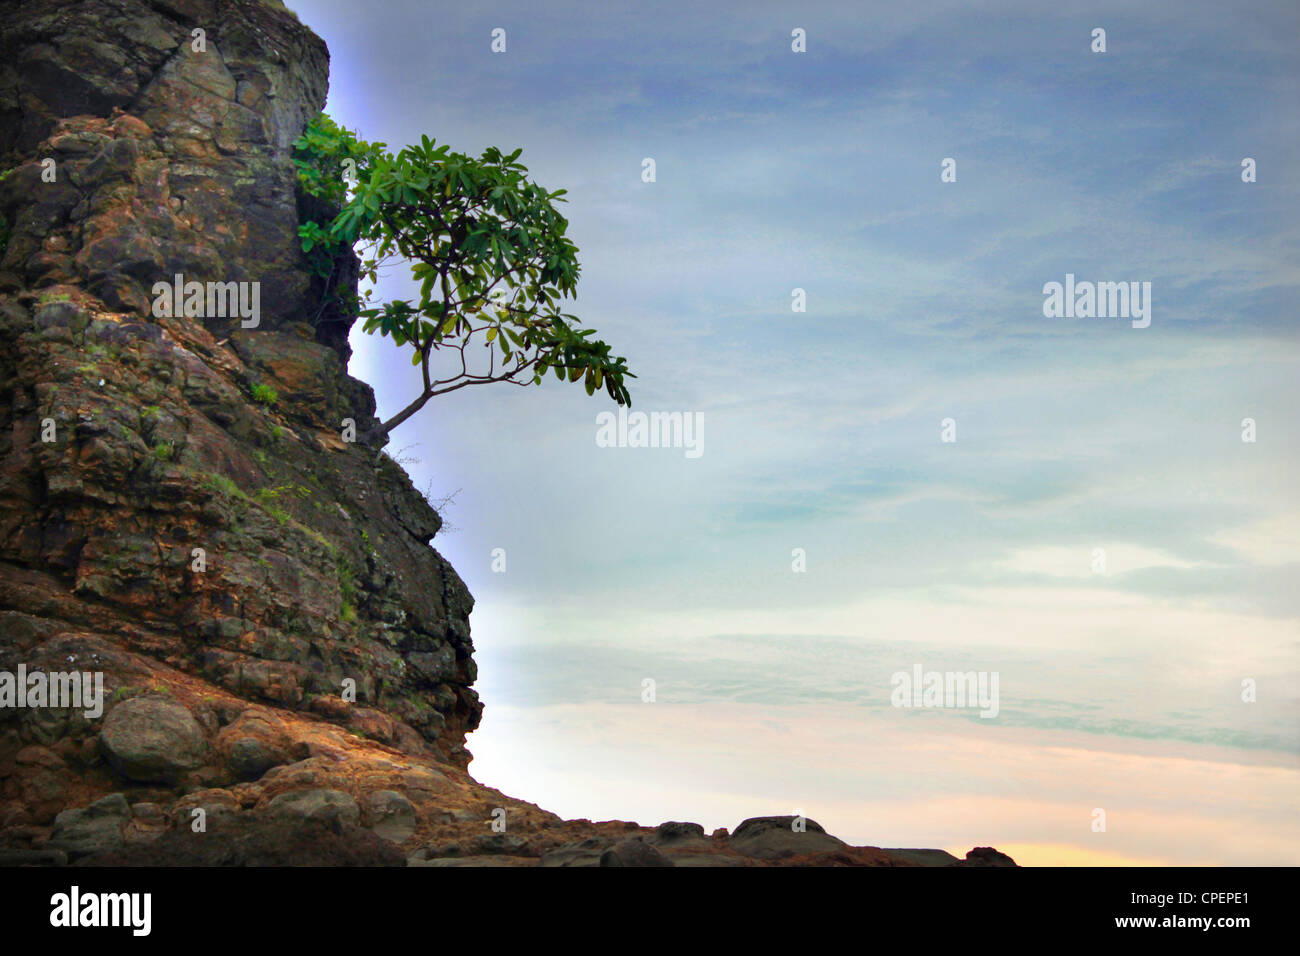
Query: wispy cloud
point(821, 171)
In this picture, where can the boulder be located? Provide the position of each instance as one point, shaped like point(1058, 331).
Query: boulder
point(93, 829)
point(988, 856)
point(249, 758)
point(774, 838)
point(674, 833)
point(152, 740)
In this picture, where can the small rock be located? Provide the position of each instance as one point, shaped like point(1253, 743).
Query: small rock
point(315, 805)
point(389, 814)
point(505, 844)
point(148, 813)
point(215, 803)
point(93, 829)
point(250, 758)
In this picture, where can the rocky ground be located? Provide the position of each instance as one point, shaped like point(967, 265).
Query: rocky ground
point(287, 660)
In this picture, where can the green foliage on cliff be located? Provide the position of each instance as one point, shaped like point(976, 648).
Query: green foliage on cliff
point(328, 158)
point(486, 244)
point(265, 395)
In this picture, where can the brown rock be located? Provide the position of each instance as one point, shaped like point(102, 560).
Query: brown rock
point(148, 739)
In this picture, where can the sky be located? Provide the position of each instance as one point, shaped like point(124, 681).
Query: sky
point(1096, 531)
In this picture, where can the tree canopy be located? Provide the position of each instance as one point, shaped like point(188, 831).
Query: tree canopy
point(486, 244)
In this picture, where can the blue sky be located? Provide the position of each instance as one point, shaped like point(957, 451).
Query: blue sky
point(821, 429)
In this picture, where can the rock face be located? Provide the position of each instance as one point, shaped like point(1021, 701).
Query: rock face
point(286, 659)
point(187, 174)
point(146, 499)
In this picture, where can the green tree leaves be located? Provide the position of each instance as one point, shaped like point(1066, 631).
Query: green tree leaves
point(487, 245)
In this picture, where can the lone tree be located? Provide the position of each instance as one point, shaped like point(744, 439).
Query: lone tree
point(487, 245)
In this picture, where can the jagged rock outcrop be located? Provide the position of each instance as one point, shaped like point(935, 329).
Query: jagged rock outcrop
point(155, 519)
point(180, 511)
point(188, 172)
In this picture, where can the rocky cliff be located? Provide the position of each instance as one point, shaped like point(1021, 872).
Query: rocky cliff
point(281, 647)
